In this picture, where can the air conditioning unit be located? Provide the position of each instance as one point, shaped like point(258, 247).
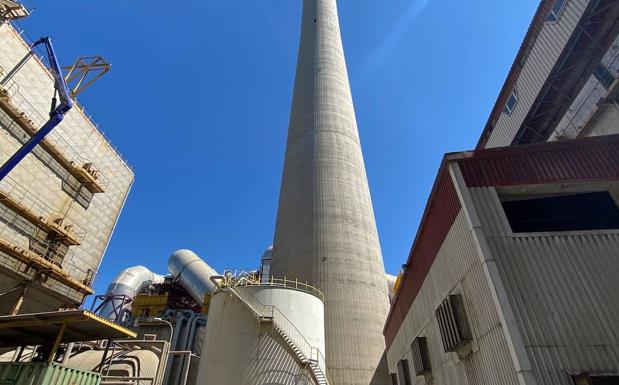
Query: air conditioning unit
point(453, 324)
point(421, 356)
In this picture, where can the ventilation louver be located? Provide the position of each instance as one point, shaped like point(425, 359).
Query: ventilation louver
point(421, 356)
point(404, 373)
point(453, 324)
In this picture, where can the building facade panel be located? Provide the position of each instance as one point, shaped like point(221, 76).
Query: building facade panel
point(548, 46)
point(560, 286)
point(457, 269)
point(439, 218)
point(49, 178)
point(595, 109)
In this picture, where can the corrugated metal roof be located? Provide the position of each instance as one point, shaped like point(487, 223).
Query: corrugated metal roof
point(43, 328)
point(555, 162)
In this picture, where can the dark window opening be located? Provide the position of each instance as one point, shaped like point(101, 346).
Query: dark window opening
point(575, 212)
point(607, 380)
point(585, 379)
point(603, 75)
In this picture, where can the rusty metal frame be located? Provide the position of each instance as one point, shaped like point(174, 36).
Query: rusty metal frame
point(77, 74)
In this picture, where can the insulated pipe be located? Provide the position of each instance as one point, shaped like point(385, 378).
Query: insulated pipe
point(182, 342)
point(192, 273)
point(180, 317)
point(194, 327)
point(128, 283)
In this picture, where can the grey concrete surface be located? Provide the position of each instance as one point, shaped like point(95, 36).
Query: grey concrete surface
point(326, 231)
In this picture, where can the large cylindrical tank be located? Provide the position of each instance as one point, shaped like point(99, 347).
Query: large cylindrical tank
point(241, 349)
point(193, 274)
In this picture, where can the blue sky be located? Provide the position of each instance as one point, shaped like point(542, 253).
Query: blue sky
point(198, 100)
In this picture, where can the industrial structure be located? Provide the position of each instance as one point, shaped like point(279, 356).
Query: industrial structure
point(59, 205)
point(562, 84)
point(326, 232)
point(510, 279)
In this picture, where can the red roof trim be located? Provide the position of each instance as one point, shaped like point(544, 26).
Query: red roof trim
point(552, 162)
point(440, 213)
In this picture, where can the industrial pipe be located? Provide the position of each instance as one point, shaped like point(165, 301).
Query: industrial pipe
point(193, 274)
point(127, 285)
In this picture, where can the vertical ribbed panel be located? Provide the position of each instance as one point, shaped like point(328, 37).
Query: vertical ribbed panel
point(40, 373)
point(548, 46)
point(562, 288)
point(457, 268)
point(440, 213)
point(326, 231)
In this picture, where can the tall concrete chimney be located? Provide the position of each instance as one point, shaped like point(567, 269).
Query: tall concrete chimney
point(326, 232)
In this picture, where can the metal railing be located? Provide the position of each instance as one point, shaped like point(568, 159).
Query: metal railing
point(254, 279)
point(28, 112)
point(27, 243)
point(37, 208)
point(287, 330)
point(40, 56)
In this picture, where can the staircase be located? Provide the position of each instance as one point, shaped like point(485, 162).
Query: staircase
point(308, 356)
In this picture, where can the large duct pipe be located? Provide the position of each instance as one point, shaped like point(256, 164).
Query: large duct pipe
point(129, 283)
point(192, 273)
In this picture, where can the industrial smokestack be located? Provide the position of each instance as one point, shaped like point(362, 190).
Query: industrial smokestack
point(326, 231)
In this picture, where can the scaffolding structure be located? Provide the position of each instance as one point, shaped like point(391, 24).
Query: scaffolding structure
point(53, 231)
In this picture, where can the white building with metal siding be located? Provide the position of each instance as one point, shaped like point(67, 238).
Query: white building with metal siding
point(553, 90)
point(530, 246)
point(76, 177)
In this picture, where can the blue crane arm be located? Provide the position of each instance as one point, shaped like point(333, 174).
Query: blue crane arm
point(57, 113)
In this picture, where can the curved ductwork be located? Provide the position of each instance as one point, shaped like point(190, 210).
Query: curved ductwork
point(193, 274)
point(123, 289)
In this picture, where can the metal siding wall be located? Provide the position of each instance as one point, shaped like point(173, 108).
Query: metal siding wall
point(583, 117)
point(562, 288)
point(443, 207)
point(77, 131)
point(457, 266)
point(548, 47)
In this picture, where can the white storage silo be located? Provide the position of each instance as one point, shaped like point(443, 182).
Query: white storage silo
point(262, 334)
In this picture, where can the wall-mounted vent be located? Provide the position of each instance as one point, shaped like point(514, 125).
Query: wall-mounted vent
point(421, 356)
point(394, 379)
point(453, 324)
point(404, 373)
